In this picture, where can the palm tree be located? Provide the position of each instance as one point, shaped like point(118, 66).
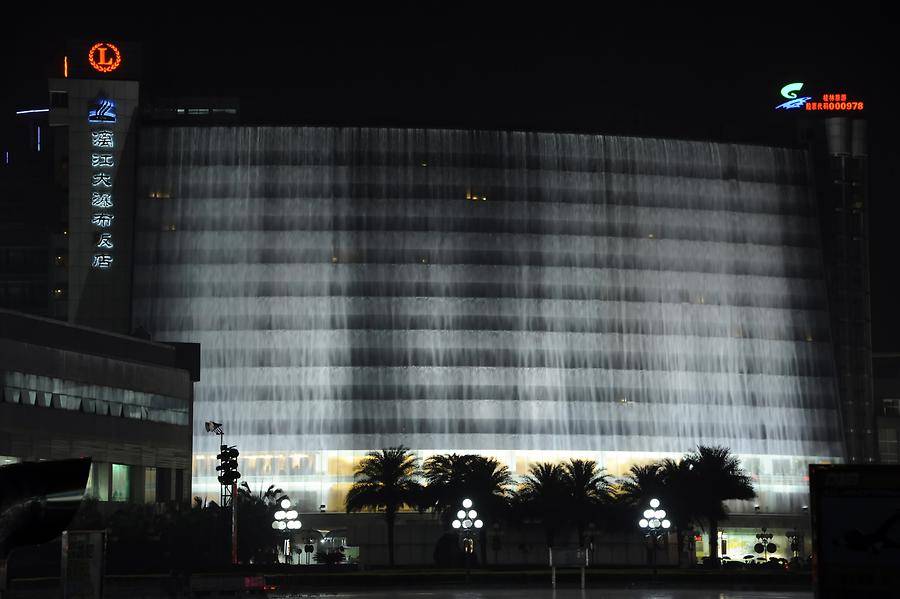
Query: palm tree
point(453, 477)
point(588, 488)
point(386, 480)
point(543, 493)
point(678, 494)
point(256, 539)
point(716, 476)
point(444, 476)
point(643, 483)
point(271, 496)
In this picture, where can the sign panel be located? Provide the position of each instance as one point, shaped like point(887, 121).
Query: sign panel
point(101, 59)
point(856, 530)
point(103, 143)
point(829, 101)
point(83, 554)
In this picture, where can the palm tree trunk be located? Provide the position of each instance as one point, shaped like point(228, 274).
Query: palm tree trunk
point(389, 518)
point(714, 542)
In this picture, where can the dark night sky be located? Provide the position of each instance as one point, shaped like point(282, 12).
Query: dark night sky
point(668, 72)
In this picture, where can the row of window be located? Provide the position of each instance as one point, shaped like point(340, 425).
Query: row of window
point(98, 407)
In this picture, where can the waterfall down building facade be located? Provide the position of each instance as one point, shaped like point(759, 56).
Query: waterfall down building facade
point(531, 296)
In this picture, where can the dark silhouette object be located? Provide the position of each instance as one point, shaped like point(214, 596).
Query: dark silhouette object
point(255, 523)
point(37, 501)
point(543, 494)
point(588, 489)
point(386, 480)
point(878, 539)
point(447, 553)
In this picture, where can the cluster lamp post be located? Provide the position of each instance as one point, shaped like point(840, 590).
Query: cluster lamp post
point(654, 524)
point(466, 522)
point(286, 520)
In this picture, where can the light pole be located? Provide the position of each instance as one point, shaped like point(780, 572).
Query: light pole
point(467, 522)
point(654, 525)
point(228, 469)
point(285, 520)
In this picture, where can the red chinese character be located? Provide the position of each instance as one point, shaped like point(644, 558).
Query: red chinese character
point(824, 97)
point(843, 97)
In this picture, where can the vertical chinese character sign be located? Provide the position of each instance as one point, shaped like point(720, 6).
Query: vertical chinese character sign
point(102, 118)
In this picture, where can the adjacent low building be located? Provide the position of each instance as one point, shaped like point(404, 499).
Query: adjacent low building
point(72, 391)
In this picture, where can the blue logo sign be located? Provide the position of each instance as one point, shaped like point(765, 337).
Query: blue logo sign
point(105, 112)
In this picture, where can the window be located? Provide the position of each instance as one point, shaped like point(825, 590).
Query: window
point(179, 484)
point(98, 481)
point(59, 99)
point(121, 475)
point(149, 485)
point(887, 445)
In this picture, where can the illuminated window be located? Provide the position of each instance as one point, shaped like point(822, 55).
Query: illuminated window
point(98, 481)
point(121, 477)
point(149, 485)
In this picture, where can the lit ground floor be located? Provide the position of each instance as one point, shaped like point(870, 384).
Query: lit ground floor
point(362, 538)
point(320, 479)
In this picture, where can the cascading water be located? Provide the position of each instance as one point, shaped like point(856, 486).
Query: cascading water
point(529, 295)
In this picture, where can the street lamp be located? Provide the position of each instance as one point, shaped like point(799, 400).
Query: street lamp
point(654, 525)
point(466, 522)
point(286, 520)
